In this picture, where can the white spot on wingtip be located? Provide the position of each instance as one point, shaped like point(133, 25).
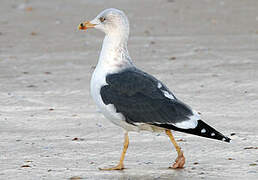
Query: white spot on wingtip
point(212, 134)
point(159, 85)
point(203, 130)
point(223, 139)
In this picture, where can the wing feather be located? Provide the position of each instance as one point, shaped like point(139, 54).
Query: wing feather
point(140, 98)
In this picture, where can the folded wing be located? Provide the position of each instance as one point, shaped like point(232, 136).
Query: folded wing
point(143, 99)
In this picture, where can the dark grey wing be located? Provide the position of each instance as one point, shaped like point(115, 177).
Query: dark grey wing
point(141, 99)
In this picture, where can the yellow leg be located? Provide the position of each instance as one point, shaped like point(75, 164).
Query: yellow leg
point(120, 166)
point(180, 161)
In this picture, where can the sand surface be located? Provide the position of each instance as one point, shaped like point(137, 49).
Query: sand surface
point(206, 52)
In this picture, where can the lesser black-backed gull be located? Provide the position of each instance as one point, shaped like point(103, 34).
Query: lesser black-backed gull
point(133, 99)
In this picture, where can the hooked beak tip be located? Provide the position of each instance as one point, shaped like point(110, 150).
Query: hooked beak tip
point(81, 27)
point(85, 25)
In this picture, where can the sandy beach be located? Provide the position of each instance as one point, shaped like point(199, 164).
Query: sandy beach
point(205, 51)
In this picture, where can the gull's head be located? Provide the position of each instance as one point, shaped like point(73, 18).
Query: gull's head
point(110, 21)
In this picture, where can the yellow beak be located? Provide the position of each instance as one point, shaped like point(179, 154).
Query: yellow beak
point(86, 25)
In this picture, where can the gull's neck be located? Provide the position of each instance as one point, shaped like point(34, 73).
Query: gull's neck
point(114, 55)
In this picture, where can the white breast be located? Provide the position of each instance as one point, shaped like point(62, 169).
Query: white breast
point(97, 81)
point(110, 61)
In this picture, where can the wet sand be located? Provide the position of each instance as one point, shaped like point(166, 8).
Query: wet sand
point(205, 51)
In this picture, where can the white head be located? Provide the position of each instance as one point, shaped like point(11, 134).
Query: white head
point(110, 21)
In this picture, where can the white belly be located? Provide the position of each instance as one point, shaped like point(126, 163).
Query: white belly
point(97, 81)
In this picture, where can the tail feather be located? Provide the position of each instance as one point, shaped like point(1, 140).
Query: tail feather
point(202, 129)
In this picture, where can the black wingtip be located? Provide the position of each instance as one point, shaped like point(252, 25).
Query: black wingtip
point(205, 130)
point(227, 139)
point(202, 129)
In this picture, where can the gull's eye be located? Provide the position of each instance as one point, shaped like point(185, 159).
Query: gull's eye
point(102, 19)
